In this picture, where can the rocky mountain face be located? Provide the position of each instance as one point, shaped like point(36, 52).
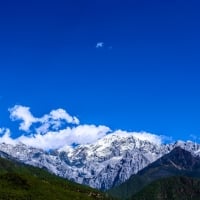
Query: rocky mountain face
point(178, 162)
point(104, 164)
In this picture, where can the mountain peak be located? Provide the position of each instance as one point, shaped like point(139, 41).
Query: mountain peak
point(106, 163)
point(181, 159)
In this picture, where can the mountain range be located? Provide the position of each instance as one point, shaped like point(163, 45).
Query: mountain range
point(104, 164)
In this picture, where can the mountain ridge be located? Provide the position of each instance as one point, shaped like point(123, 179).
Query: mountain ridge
point(104, 164)
point(178, 162)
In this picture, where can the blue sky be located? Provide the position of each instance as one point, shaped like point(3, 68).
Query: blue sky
point(143, 77)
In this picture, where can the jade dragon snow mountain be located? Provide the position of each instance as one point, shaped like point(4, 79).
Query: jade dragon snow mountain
point(104, 164)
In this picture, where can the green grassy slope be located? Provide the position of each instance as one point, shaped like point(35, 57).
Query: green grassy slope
point(23, 182)
point(173, 188)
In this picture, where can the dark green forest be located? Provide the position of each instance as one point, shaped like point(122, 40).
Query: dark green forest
point(24, 182)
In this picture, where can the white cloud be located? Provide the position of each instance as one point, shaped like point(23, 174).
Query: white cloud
point(6, 136)
point(144, 136)
point(60, 114)
point(99, 45)
point(49, 132)
point(83, 134)
point(54, 119)
point(23, 113)
point(44, 128)
point(156, 139)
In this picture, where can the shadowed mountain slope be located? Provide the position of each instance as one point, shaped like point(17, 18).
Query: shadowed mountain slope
point(178, 162)
point(173, 188)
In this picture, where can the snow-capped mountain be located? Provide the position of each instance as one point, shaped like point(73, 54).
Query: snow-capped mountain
point(104, 164)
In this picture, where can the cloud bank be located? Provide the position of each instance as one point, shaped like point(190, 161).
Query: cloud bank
point(59, 129)
point(82, 134)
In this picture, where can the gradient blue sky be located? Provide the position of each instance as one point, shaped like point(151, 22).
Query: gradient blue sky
point(145, 77)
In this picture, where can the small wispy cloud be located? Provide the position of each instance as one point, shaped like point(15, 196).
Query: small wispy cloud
point(194, 137)
point(99, 45)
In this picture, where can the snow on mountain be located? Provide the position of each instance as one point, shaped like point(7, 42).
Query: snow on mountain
point(104, 164)
point(190, 146)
